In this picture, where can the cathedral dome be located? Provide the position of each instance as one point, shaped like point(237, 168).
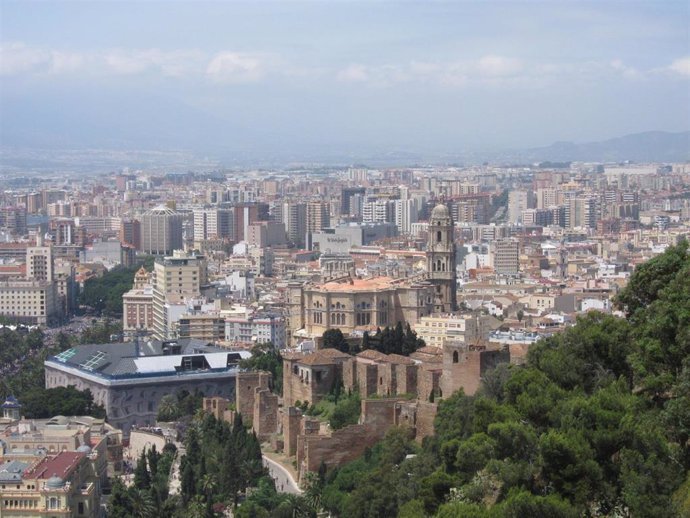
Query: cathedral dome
point(440, 212)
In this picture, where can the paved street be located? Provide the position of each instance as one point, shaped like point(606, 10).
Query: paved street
point(284, 481)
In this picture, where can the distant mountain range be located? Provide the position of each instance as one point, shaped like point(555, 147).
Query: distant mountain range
point(650, 146)
point(17, 155)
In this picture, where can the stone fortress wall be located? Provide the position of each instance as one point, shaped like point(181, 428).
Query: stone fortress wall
point(395, 391)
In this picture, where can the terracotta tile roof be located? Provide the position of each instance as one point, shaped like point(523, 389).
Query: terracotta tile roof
point(397, 358)
point(61, 465)
point(429, 349)
point(372, 354)
point(324, 357)
point(353, 285)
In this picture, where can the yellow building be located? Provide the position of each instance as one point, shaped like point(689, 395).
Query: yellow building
point(62, 485)
point(356, 304)
point(436, 330)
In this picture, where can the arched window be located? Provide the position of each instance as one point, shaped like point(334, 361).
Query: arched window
point(455, 356)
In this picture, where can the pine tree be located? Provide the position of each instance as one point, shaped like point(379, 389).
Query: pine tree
point(366, 341)
point(187, 484)
point(142, 477)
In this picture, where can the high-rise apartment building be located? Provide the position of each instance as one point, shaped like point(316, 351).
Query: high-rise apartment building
point(212, 223)
point(13, 219)
point(39, 261)
point(406, 213)
point(295, 220)
point(519, 201)
point(161, 231)
point(378, 211)
point(130, 233)
point(346, 198)
point(547, 197)
point(507, 256)
point(175, 279)
point(318, 216)
point(581, 211)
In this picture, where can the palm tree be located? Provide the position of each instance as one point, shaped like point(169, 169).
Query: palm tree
point(208, 484)
point(167, 408)
point(143, 505)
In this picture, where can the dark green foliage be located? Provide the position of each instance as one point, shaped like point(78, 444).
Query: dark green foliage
point(100, 332)
point(391, 340)
point(347, 410)
point(652, 277)
point(221, 461)
point(334, 339)
point(148, 496)
point(142, 477)
point(265, 357)
point(42, 403)
point(181, 404)
point(597, 423)
point(104, 294)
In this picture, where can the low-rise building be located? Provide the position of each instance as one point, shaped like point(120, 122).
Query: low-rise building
point(129, 379)
point(58, 485)
point(256, 329)
point(436, 330)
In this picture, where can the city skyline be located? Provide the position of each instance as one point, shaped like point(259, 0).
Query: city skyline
point(299, 80)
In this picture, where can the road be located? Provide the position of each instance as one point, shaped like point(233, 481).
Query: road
point(284, 481)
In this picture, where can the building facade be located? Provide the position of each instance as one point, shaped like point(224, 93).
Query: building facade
point(161, 231)
point(129, 379)
point(356, 304)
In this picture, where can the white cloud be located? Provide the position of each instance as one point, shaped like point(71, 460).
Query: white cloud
point(236, 67)
point(175, 63)
point(61, 62)
point(354, 73)
point(493, 65)
point(681, 66)
point(618, 66)
point(17, 58)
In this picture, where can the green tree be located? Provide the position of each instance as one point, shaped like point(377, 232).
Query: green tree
point(266, 358)
point(142, 477)
point(334, 339)
point(168, 409)
point(120, 504)
point(652, 277)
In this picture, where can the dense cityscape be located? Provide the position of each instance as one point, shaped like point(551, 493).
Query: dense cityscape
point(351, 259)
point(323, 308)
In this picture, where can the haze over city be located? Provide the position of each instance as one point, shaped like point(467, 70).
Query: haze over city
point(346, 80)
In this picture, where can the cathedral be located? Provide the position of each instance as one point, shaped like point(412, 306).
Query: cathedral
point(441, 259)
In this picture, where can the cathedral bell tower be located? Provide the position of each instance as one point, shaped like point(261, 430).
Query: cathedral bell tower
point(440, 259)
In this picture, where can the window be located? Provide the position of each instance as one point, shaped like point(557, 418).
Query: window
point(438, 237)
point(455, 356)
point(80, 508)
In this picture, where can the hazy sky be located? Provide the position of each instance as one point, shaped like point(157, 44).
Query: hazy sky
point(310, 77)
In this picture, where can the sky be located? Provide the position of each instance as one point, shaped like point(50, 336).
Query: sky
point(303, 79)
